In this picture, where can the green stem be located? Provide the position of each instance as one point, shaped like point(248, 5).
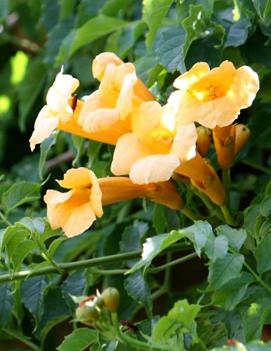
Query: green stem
point(4, 219)
point(69, 266)
point(257, 166)
point(228, 217)
point(76, 265)
point(21, 338)
point(189, 214)
point(211, 207)
point(172, 263)
point(257, 277)
point(226, 179)
point(48, 258)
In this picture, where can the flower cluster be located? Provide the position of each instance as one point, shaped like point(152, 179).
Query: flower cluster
point(152, 142)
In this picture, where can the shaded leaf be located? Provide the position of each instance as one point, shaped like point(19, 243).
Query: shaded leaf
point(79, 339)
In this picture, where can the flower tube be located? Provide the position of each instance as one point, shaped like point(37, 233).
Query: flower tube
point(75, 211)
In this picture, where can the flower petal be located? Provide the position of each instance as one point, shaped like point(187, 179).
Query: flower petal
point(128, 150)
point(184, 143)
point(101, 61)
point(45, 124)
point(197, 71)
point(77, 178)
point(154, 168)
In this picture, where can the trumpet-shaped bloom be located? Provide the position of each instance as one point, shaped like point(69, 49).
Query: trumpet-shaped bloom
point(213, 97)
point(57, 108)
point(75, 211)
point(119, 94)
point(155, 148)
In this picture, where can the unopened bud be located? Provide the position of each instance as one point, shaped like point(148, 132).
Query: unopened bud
point(86, 314)
point(111, 299)
point(203, 140)
point(224, 141)
point(242, 134)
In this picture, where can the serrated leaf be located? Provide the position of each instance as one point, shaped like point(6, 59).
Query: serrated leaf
point(32, 294)
point(6, 302)
point(232, 293)
point(17, 245)
point(19, 194)
point(153, 13)
point(75, 284)
point(30, 88)
point(79, 339)
point(262, 255)
point(55, 311)
point(137, 287)
point(225, 269)
point(217, 248)
point(236, 237)
point(169, 331)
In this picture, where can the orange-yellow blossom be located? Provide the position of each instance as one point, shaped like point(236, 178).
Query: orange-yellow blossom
point(203, 177)
point(61, 112)
point(213, 97)
point(155, 148)
point(228, 142)
point(75, 211)
point(57, 108)
point(120, 93)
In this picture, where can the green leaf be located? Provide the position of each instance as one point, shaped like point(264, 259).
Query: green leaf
point(232, 293)
point(236, 237)
point(169, 330)
point(238, 33)
point(32, 294)
point(19, 194)
point(66, 8)
point(17, 245)
point(153, 13)
point(155, 245)
point(79, 340)
point(254, 318)
point(263, 9)
point(30, 88)
point(137, 287)
point(75, 284)
point(217, 248)
point(6, 302)
point(55, 311)
point(262, 255)
point(225, 269)
point(93, 29)
point(170, 48)
point(88, 9)
point(159, 219)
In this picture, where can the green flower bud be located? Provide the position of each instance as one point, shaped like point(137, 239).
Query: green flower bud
point(111, 298)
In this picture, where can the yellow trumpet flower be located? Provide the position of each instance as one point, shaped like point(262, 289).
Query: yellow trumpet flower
point(155, 148)
point(120, 93)
point(57, 108)
point(213, 97)
point(75, 211)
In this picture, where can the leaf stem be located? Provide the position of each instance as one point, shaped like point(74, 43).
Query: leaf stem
point(226, 179)
point(228, 217)
point(257, 277)
point(189, 214)
point(76, 265)
point(4, 219)
point(21, 338)
point(172, 263)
